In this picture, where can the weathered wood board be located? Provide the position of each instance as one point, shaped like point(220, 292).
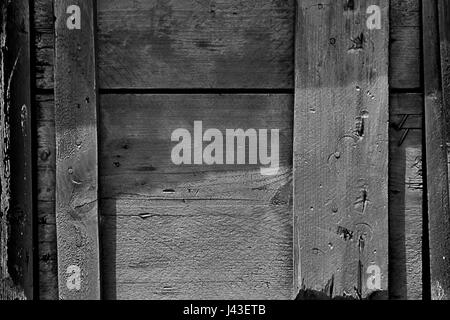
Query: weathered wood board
point(405, 68)
point(21, 115)
point(76, 150)
point(196, 44)
point(405, 42)
point(405, 49)
point(46, 183)
point(406, 197)
point(341, 150)
point(194, 231)
point(16, 212)
point(406, 225)
point(436, 155)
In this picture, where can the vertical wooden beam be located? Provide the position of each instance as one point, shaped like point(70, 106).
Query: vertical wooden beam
point(341, 149)
point(436, 154)
point(21, 210)
point(16, 267)
point(406, 197)
point(76, 142)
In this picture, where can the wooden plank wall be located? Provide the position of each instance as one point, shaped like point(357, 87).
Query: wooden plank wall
point(177, 232)
point(405, 80)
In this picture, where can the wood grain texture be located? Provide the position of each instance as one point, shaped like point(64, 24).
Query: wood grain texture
point(46, 183)
point(405, 47)
point(436, 145)
point(198, 232)
point(196, 251)
point(44, 43)
point(406, 197)
point(16, 234)
point(405, 43)
point(436, 155)
point(404, 73)
point(21, 113)
point(76, 153)
point(340, 149)
point(7, 289)
point(196, 44)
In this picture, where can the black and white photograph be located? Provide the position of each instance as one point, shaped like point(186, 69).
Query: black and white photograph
point(235, 152)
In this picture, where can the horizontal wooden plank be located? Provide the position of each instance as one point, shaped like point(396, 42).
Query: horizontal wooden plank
point(118, 32)
point(225, 228)
point(195, 44)
point(197, 252)
point(136, 146)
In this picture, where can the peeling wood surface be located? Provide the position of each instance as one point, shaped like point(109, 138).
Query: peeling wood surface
point(340, 150)
point(198, 232)
point(76, 153)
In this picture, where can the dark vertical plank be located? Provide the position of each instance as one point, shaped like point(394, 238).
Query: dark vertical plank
point(76, 155)
point(405, 56)
point(16, 215)
point(21, 229)
point(45, 208)
point(436, 156)
point(406, 197)
point(341, 150)
point(405, 158)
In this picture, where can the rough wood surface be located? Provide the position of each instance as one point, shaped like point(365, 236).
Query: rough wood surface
point(406, 197)
point(21, 210)
point(117, 37)
point(76, 152)
point(404, 73)
point(436, 155)
point(405, 52)
point(405, 161)
point(46, 182)
point(341, 150)
point(196, 44)
point(199, 232)
point(16, 248)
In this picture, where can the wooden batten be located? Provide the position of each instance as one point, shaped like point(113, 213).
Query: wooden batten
point(436, 136)
point(76, 150)
point(16, 189)
point(341, 150)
